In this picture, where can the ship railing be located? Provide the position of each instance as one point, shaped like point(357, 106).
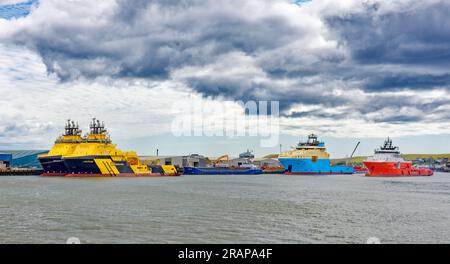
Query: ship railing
point(68, 141)
point(98, 141)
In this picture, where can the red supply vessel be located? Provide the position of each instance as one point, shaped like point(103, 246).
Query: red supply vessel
point(387, 162)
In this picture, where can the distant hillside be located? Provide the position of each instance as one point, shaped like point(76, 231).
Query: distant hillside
point(354, 160)
point(425, 156)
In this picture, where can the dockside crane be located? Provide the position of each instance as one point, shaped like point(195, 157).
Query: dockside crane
point(348, 161)
point(351, 156)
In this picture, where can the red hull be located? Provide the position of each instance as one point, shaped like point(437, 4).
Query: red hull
point(395, 169)
point(360, 169)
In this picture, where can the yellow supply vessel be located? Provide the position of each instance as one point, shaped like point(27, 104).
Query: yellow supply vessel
point(52, 162)
point(97, 156)
point(94, 156)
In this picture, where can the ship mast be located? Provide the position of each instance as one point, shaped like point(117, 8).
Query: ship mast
point(388, 147)
point(98, 128)
point(72, 128)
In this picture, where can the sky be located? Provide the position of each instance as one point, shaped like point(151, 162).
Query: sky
point(348, 71)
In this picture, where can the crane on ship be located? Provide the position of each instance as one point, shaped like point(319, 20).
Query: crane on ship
point(351, 156)
point(220, 159)
point(348, 161)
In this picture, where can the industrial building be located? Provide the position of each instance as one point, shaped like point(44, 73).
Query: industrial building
point(20, 158)
point(193, 160)
point(266, 162)
point(5, 161)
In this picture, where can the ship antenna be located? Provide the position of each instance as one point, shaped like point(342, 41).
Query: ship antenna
point(93, 126)
point(68, 127)
point(72, 132)
point(78, 129)
point(98, 127)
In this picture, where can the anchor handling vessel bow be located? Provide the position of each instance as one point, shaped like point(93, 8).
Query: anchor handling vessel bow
point(387, 162)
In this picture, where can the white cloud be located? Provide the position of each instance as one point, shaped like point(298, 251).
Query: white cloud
point(338, 67)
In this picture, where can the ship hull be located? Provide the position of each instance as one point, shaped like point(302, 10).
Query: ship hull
point(134, 175)
point(221, 171)
point(395, 169)
point(360, 170)
point(85, 165)
point(104, 166)
point(53, 166)
point(279, 171)
point(299, 166)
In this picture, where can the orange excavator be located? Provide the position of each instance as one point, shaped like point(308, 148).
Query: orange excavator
point(220, 160)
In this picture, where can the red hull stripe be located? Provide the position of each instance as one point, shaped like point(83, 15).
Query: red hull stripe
point(53, 174)
point(398, 175)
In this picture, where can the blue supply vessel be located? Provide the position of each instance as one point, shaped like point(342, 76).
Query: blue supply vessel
point(310, 158)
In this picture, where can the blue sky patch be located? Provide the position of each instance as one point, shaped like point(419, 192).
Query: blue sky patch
point(16, 10)
point(299, 2)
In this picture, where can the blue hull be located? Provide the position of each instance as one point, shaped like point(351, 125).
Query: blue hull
point(53, 164)
point(220, 171)
point(307, 166)
point(87, 165)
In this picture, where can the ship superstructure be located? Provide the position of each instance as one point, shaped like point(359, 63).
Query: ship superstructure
point(388, 162)
point(247, 155)
point(310, 157)
point(66, 144)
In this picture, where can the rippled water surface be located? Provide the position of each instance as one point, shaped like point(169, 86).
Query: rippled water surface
point(225, 209)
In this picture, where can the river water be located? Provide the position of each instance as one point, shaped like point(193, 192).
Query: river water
point(225, 209)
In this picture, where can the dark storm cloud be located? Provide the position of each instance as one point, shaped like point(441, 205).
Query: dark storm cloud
point(417, 81)
point(148, 39)
point(319, 114)
point(409, 36)
point(253, 50)
point(398, 119)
